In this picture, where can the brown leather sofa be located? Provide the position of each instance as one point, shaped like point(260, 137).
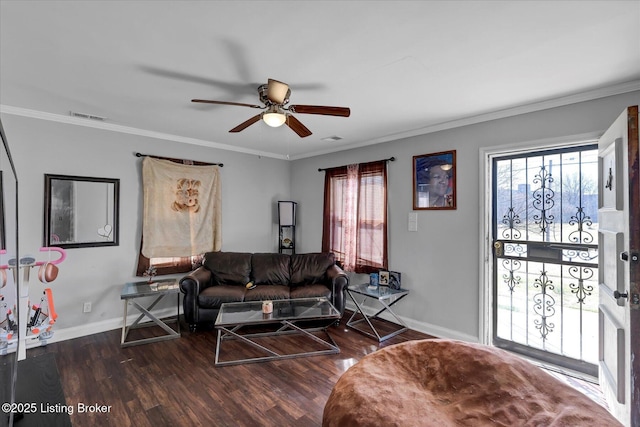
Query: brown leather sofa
point(223, 277)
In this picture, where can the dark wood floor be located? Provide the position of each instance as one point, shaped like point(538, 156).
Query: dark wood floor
point(175, 383)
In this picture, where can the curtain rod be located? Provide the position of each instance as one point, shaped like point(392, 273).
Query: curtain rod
point(390, 159)
point(183, 160)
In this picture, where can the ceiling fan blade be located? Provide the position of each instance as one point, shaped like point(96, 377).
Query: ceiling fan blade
point(239, 104)
point(319, 109)
point(242, 126)
point(297, 126)
point(277, 92)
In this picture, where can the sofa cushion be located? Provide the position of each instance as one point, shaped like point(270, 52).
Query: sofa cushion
point(310, 268)
point(267, 292)
point(310, 291)
point(228, 268)
point(270, 269)
point(215, 296)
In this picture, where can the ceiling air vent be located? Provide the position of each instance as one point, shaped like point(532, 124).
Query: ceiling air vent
point(87, 116)
point(332, 138)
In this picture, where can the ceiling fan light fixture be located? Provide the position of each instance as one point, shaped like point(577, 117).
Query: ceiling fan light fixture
point(274, 118)
point(275, 96)
point(278, 92)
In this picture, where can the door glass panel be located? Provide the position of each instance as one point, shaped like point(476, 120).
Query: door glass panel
point(546, 255)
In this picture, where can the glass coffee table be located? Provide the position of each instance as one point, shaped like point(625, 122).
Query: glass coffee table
point(158, 288)
point(386, 297)
point(301, 316)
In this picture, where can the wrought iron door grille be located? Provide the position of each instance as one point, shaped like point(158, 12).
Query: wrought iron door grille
point(546, 255)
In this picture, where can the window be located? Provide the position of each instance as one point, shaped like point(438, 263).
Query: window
point(168, 265)
point(355, 216)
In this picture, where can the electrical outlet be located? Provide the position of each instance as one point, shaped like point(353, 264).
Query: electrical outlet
point(86, 308)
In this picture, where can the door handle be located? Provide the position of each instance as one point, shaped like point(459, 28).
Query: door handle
point(618, 295)
point(498, 248)
point(624, 256)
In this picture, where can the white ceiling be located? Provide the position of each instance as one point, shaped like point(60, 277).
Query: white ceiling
point(404, 68)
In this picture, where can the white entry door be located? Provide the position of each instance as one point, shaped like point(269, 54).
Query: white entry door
point(619, 267)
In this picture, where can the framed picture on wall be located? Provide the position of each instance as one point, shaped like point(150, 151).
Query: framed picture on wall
point(434, 181)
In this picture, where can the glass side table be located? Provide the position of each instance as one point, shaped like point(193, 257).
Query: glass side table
point(158, 288)
point(386, 297)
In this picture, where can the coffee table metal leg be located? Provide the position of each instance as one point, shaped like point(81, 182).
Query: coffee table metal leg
point(332, 345)
point(248, 341)
point(286, 328)
point(233, 334)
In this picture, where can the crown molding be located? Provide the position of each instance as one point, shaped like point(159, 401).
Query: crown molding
point(437, 127)
point(70, 120)
point(494, 115)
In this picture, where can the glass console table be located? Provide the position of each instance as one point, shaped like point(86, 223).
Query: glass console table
point(158, 288)
point(386, 297)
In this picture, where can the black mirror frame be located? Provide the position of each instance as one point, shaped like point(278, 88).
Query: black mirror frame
point(47, 211)
point(3, 239)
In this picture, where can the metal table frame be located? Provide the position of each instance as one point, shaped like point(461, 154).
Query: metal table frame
point(134, 290)
point(288, 326)
point(382, 294)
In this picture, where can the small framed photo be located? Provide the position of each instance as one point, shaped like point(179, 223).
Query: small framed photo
point(384, 278)
point(373, 280)
point(434, 181)
point(394, 280)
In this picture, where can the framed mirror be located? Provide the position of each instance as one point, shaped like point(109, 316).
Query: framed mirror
point(3, 239)
point(9, 279)
point(80, 212)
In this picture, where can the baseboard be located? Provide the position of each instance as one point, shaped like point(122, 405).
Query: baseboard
point(103, 326)
point(416, 325)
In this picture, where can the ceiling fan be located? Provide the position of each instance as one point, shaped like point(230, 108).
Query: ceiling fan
point(275, 97)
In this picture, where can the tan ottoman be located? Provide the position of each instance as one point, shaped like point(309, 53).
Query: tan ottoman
point(453, 383)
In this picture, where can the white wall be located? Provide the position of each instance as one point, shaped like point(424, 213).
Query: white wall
point(440, 262)
point(250, 188)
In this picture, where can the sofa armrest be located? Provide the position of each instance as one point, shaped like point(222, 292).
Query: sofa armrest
point(338, 278)
point(191, 285)
point(196, 281)
point(339, 282)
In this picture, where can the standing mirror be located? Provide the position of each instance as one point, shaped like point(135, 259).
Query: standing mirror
point(80, 212)
point(9, 279)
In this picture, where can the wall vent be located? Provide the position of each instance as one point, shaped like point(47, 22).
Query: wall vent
point(87, 116)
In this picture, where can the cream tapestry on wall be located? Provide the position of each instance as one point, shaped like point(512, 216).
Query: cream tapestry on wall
point(182, 210)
